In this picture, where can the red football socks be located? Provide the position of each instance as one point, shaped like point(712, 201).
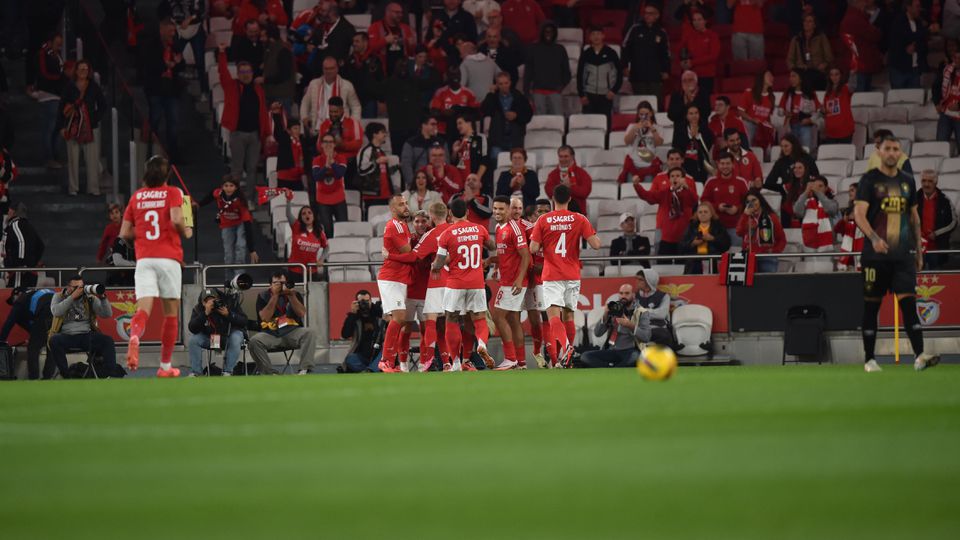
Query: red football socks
point(520, 350)
point(558, 334)
point(403, 349)
point(138, 323)
point(536, 331)
point(390, 340)
point(571, 331)
point(168, 338)
point(508, 353)
point(481, 330)
point(454, 339)
point(428, 341)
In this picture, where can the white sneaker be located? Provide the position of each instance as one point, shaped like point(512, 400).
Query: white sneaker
point(302, 372)
point(456, 365)
point(925, 360)
point(541, 362)
point(405, 366)
point(227, 374)
point(871, 366)
point(192, 375)
point(507, 365)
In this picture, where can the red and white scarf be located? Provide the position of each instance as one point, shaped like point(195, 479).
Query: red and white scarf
point(322, 112)
point(816, 229)
point(851, 241)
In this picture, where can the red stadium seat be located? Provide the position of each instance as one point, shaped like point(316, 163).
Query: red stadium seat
point(733, 85)
point(747, 68)
point(620, 121)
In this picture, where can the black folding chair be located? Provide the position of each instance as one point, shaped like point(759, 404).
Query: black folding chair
point(804, 333)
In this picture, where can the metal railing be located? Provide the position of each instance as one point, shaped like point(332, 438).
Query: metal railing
point(60, 270)
point(303, 285)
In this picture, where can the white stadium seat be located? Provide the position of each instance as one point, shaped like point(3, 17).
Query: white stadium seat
point(949, 182)
point(604, 190)
point(912, 96)
point(606, 157)
point(546, 122)
point(834, 168)
point(950, 165)
point(921, 164)
point(628, 104)
point(570, 35)
point(937, 148)
point(836, 151)
point(867, 99)
point(347, 245)
point(669, 269)
point(586, 139)
point(692, 324)
point(587, 121)
point(902, 131)
point(543, 139)
point(606, 172)
point(358, 228)
point(608, 223)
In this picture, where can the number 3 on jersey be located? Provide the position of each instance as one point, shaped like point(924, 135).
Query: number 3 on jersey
point(561, 248)
point(153, 220)
point(469, 257)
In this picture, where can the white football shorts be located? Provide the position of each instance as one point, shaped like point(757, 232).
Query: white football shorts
point(507, 301)
point(565, 294)
point(393, 295)
point(465, 300)
point(533, 299)
point(157, 278)
point(433, 304)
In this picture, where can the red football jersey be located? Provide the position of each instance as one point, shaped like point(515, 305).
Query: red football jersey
point(149, 211)
point(419, 277)
point(427, 247)
point(463, 245)
point(396, 235)
point(510, 239)
point(533, 278)
point(560, 233)
point(445, 99)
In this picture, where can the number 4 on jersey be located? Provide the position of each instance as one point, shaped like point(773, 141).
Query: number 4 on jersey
point(561, 248)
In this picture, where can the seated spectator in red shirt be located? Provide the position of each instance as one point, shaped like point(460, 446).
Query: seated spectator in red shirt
point(726, 191)
point(643, 135)
point(676, 206)
point(662, 179)
point(328, 171)
point(444, 178)
point(760, 231)
point(308, 241)
point(723, 117)
point(110, 232)
point(746, 165)
point(702, 47)
point(346, 131)
point(838, 125)
point(291, 159)
point(479, 207)
point(451, 100)
point(571, 175)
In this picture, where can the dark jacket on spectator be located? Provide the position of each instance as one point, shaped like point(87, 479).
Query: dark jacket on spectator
point(460, 23)
point(696, 168)
point(720, 243)
point(279, 72)
point(646, 51)
point(93, 97)
point(635, 246)
point(363, 331)
point(404, 96)
point(530, 189)
point(414, 155)
point(900, 37)
point(215, 323)
point(677, 112)
point(49, 76)
point(339, 42)
point(243, 50)
point(23, 247)
point(285, 157)
point(782, 172)
point(598, 73)
point(152, 68)
point(943, 221)
point(503, 133)
point(548, 66)
point(508, 59)
point(366, 73)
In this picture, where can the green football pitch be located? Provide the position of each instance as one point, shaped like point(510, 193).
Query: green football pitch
point(736, 452)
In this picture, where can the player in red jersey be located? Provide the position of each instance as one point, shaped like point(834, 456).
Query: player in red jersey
point(533, 299)
point(416, 292)
point(513, 262)
point(559, 233)
point(393, 280)
point(154, 218)
point(430, 339)
point(460, 249)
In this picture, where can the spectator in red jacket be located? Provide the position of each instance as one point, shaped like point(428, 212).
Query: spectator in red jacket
point(837, 113)
point(523, 17)
point(756, 107)
point(444, 178)
point(328, 171)
point(699, 52)
point(759, 230)
point(245, 116)
point(571, 175)
point(746, 42)
point(391, 38)
point(110, 232)
point(346, 131)
point(746, 165)
point(726, 192)
point(724, 117)
point(867, 58)
point(675, 208)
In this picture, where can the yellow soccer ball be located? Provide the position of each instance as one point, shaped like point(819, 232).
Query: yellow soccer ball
point(657, 363)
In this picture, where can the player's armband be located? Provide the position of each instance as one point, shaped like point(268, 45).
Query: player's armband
point(187, 209)
point(441, 252)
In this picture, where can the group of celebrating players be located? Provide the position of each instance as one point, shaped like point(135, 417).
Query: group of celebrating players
point(439, 282)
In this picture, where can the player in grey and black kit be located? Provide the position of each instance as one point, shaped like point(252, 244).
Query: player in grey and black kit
point(886, 212)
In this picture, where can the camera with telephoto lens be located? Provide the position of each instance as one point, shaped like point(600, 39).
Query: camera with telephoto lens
point(240, 282)
point(94, 288)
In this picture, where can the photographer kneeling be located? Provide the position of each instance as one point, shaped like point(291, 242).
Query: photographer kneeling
point(216, 323)
point(75, 310)
point(625, 325)
point(363, 325)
